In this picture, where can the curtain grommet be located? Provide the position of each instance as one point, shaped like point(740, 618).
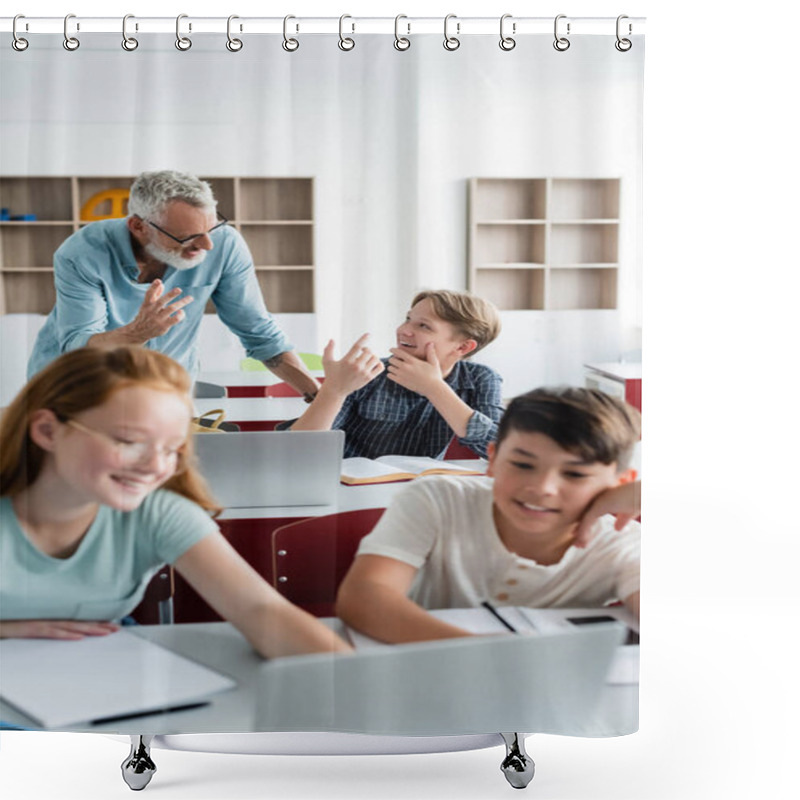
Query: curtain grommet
point(346, 43)
point(233, 44)
point(289, 44)
point(19, 43)
point(451, 43)
point(401, 43)
point(561, 43)
point(623, 44)
point(182, 43)
point(129, 43)
point(70, 43)
point(507, 43)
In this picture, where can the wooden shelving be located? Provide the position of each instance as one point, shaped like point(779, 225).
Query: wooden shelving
point(544, 243)
point(274, 215)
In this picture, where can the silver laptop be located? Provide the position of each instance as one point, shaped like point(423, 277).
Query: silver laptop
point(271, 468)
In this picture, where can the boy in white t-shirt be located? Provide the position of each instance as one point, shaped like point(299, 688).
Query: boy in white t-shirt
point(538, 531)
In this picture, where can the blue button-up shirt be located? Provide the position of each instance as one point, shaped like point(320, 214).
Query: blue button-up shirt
point(97, 291)
point(384, 418)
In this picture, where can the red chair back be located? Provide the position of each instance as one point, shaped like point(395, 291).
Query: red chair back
point(310, 558)
point(456, 450)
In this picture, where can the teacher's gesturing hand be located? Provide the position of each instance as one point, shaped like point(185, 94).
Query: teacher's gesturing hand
point(158, 312)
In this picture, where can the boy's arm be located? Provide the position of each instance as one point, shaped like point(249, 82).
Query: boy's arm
point(372, 599)
point(425, 378)
point(355, 369)
point(631, 602)
point(624, 501)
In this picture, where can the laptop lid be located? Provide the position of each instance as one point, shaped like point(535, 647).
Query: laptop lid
point(548, 683)
point(272, 468)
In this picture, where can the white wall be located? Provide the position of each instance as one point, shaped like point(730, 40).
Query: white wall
point(391, 139)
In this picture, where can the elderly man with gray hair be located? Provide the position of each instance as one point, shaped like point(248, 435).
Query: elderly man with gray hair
point(146, 279)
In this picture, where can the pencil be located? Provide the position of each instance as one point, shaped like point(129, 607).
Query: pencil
point(492, 610)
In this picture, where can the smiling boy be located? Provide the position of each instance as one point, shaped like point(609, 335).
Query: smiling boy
point(414, 402)
point(537, 532)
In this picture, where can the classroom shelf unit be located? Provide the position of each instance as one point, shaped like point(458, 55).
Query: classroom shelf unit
point(544, 243)
point(274, 215)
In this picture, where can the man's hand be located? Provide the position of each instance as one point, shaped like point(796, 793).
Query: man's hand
point(54, 629)
point(624, 501)
point(158, 313)
point(355, 369)
point(413, 373)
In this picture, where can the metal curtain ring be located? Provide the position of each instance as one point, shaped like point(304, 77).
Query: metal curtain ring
point(18, 43)
point(623, 45)
point(561, 43)
point(234, 45)
point(289, 45)
point(128, 42)
point(70, 42)
point(507, 42)
point(451, 42)
point(401, 42)
point(182, 42)
point(345, 42)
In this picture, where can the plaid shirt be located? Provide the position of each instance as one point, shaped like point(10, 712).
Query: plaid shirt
point(383, 418)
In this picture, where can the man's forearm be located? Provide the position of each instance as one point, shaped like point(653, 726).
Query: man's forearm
point(126, 335)
point(289, 367)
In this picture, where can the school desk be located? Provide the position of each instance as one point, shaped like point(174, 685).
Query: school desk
point(254, 413)
point(219, 646)
point(252, 384)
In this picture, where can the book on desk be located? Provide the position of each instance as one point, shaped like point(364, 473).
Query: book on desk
point(358, 471)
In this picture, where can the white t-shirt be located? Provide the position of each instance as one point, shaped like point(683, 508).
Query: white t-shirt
point(443, 525)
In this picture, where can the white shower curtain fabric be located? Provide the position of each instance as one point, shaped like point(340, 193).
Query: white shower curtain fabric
point(392, 140)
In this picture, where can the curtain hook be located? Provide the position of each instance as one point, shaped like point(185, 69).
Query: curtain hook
point(401, 42)
point(507, 42)
point(234, 45)
point(182, 42)
point(451, 42)
point(18, 43)
point(70, 42)
point(289, 45)
point(561, 43)
point(345, 42)
point(623, 45)
point(128, 42)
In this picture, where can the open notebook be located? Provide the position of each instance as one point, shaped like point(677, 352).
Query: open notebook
point(100, 679)
point(387, 469)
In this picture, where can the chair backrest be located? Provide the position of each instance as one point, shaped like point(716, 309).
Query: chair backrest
point(311, 557)
point(157, 606)
point(456, 450)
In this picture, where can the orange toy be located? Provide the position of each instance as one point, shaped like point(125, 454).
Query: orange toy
point(117, 200)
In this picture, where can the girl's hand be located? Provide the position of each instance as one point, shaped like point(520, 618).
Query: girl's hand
point(54, 629)
point(623, 501)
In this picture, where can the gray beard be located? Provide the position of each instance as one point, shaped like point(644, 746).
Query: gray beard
point(172, 258)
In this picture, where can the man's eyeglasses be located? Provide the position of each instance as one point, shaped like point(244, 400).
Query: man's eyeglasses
point(221, 224)
point(130, 453)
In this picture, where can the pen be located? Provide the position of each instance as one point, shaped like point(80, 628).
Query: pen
point(170, 709)
point(492, 610)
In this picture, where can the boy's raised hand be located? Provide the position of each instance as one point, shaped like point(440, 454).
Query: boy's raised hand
point(357, 367)
point(413, 373)
point(623, 501)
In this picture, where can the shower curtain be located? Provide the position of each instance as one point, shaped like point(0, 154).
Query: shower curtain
point(513, 171)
